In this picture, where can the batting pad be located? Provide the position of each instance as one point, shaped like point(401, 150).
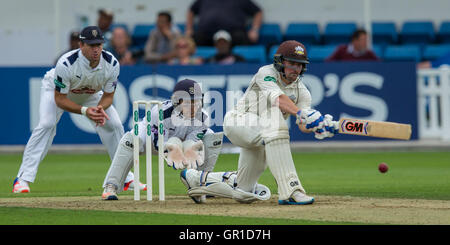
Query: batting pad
point(279, 160)
point(121, 163)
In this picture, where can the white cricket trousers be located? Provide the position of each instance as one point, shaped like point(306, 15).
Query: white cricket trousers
point(49, 115)
point(264, 142)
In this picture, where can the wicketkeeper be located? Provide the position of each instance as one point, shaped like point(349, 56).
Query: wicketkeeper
point(258, 125)
point(189, 142)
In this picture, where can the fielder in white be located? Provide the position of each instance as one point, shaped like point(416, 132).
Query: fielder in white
point(189, 142)
point(83, 82)
point(257, 125)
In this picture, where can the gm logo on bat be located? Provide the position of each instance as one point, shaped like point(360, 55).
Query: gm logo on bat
point(354, 126)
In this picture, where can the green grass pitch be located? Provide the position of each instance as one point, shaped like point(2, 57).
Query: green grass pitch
point(420, 175)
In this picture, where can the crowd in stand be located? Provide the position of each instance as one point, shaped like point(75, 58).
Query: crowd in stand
point(217, 24)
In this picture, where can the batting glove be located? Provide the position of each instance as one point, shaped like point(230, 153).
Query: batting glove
point(311, 118)
point(329, 128)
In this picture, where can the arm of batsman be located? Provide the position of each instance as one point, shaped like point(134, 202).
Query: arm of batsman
point(194, 153)
point(173, 153)
point(328, 129)
point(311, 118)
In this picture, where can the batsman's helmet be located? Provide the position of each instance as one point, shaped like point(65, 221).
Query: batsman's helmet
point(186, 89)
point(293, 51)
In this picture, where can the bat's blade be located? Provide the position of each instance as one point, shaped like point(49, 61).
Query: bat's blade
point(389, 130)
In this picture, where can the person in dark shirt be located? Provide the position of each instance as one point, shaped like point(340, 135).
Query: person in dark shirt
point(356, 50)
point(230, 15)
point(224, 55)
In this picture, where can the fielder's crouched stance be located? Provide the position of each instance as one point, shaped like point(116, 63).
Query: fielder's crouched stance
point(189, 141)
point(257, 124)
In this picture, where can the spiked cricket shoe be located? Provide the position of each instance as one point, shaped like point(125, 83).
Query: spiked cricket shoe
point(129, 186)
point(20, 186)
point(110, 192)
point(297, 198)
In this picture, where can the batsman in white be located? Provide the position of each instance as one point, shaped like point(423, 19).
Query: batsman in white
point(189, 142)
point(258, 125)
point(83, 82)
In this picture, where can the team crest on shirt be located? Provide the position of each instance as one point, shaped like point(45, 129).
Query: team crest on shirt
point(94, 33)
point(299, 50)
point(191, 90)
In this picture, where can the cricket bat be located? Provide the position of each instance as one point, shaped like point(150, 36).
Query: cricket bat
point(379, 129)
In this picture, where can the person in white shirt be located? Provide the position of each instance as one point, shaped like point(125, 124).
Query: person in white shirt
point(258, 125)
point(189, 142)
point(83, 82)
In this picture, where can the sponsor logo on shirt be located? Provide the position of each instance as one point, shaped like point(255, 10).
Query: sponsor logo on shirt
point(83, 90)
point(59, 84)
point(269, 78)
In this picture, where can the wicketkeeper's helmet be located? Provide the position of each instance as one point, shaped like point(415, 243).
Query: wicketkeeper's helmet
point(293, 51)
point(186, 89)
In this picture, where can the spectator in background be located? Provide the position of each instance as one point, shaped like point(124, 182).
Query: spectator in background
point(120, 43)
point(230, 15)
point(441, 61)
point(184, 51)
point(104, 22)
point(356, 50)
point(74, 40)
point(160, 46)
point(224, 55)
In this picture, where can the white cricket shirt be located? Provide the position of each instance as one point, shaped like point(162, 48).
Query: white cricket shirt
point(266, 86)
point(73, 75)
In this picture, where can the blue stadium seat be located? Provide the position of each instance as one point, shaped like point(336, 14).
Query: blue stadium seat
point(306, 33)
point(417, 32)
point(205, 51)
point(140, 34)
point(269, 34)
point(272, 51)
point(320, 53)
point(384, 33)
point(251, 54)
point(182, 27)
point(378, 50)
point(435, 51)
point(338, 32)
point(402, 53)
point(123, 25)
point(444, 32)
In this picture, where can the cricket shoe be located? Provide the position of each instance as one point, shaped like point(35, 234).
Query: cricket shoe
point(110, 192)
point(20, 186)
point(190, 179)
point(129, 186)
point(297, 198)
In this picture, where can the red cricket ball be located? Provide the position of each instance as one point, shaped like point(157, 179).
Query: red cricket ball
point(383, 167)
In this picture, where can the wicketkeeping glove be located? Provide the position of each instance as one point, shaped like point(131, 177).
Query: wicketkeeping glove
point(194, 153)
point(311, 118)
point(174, 153)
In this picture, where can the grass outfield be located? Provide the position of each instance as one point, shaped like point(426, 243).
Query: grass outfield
point(414, 175)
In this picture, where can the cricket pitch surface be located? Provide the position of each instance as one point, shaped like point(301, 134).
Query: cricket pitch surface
point(326, 208)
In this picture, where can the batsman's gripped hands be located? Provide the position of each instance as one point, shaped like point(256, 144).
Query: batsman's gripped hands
point(97, 114)
point(329, 128)
point(311, 118)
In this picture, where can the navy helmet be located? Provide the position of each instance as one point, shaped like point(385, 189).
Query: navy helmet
point(186, 89)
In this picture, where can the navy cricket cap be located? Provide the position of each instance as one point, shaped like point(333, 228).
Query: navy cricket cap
point(186, 89)
point(92, 35)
